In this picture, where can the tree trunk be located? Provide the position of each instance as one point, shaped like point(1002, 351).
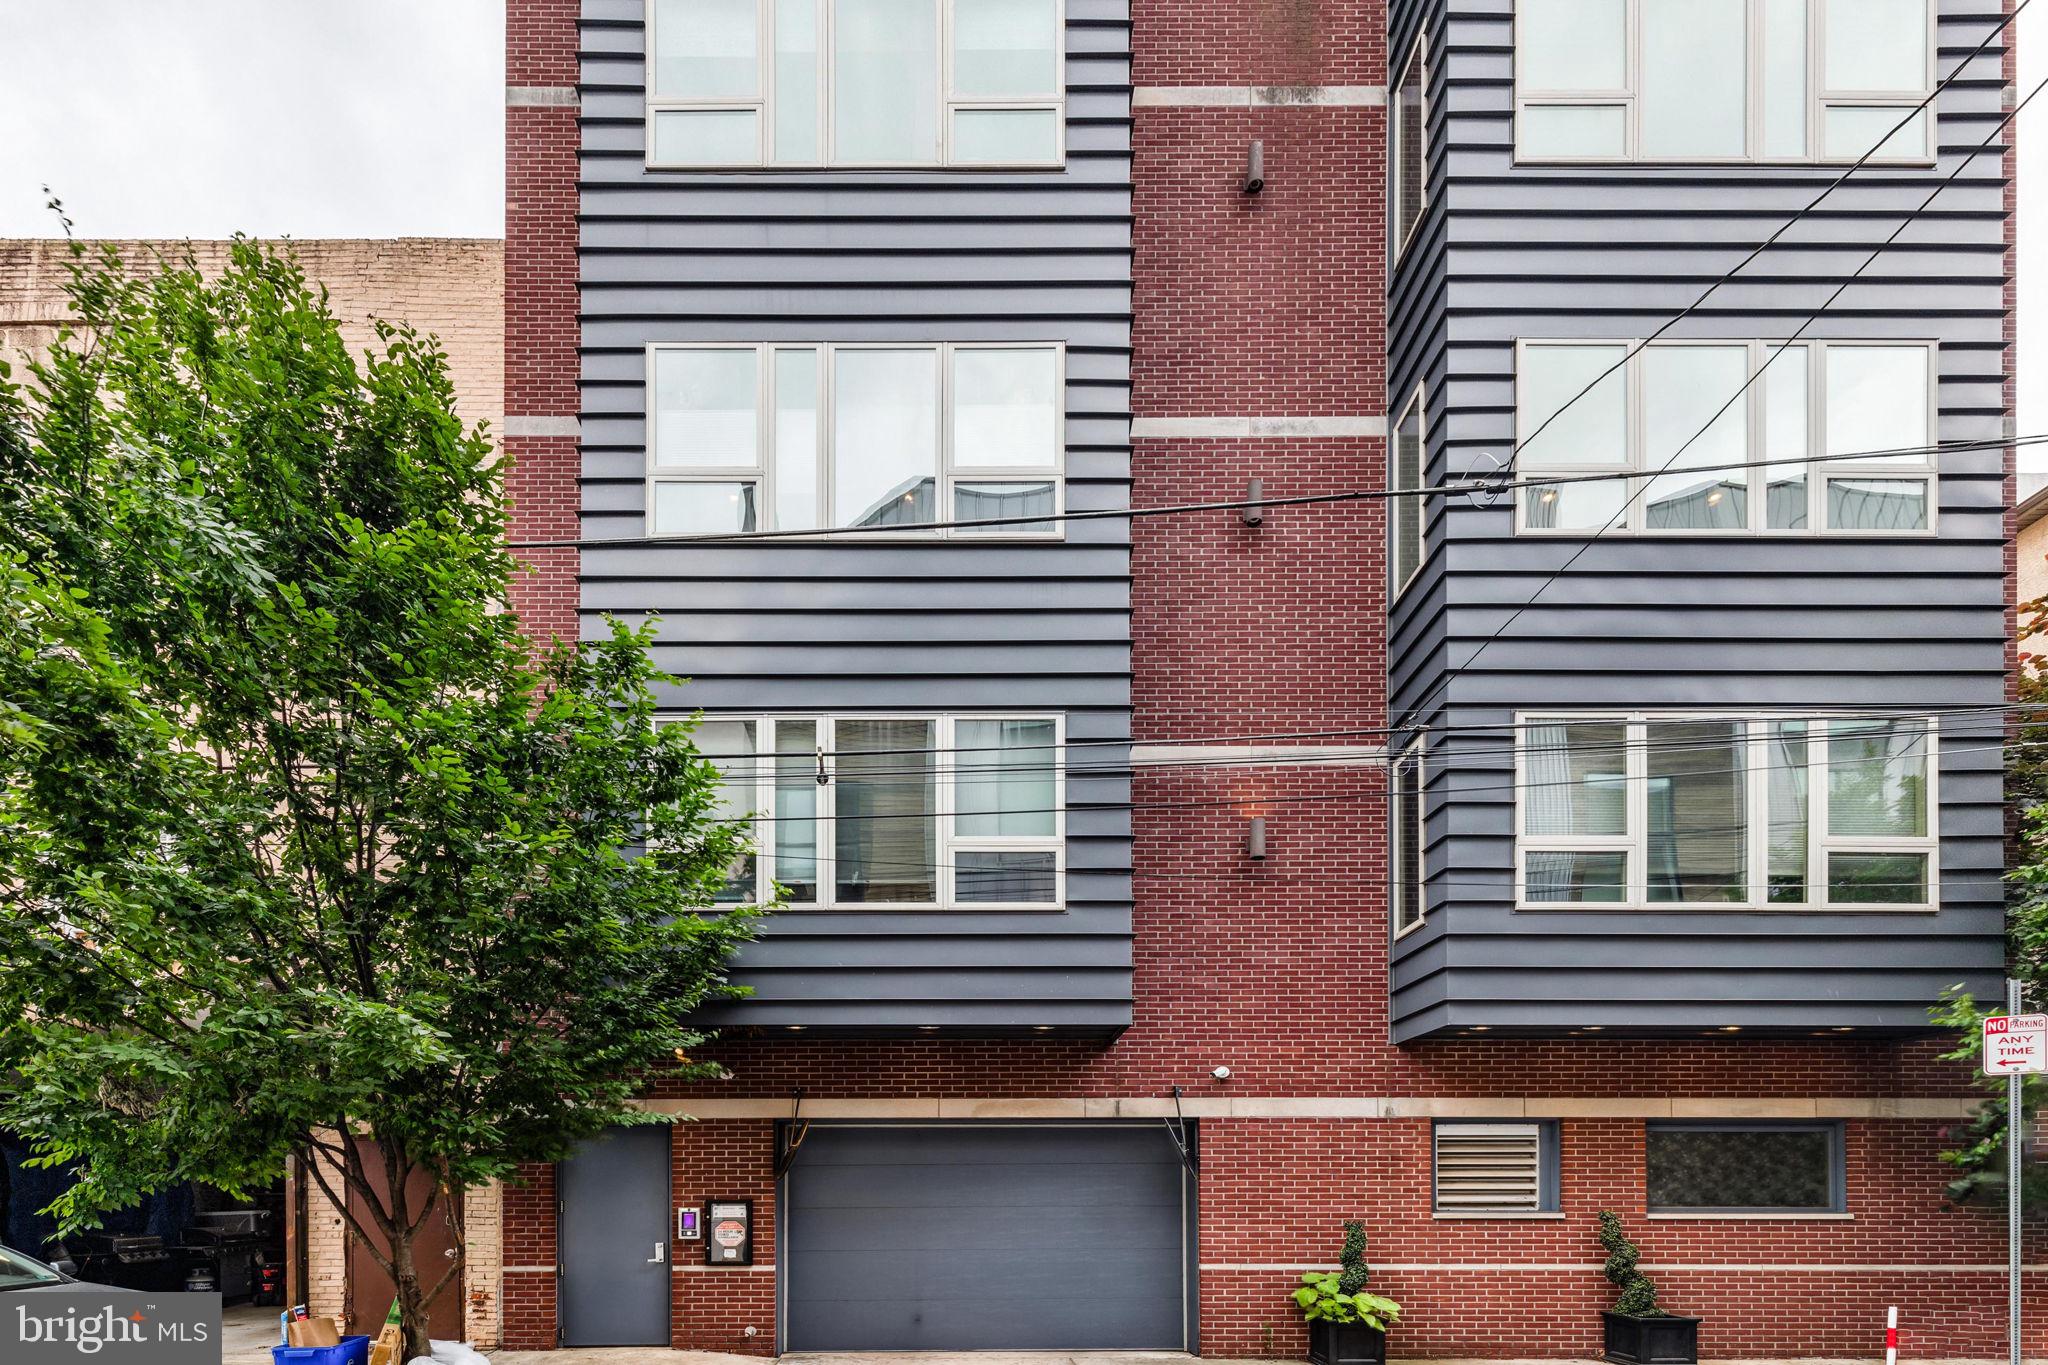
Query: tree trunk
point(412, 1302)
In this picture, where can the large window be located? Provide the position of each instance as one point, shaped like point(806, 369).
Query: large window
point(809, 83)
point(1407, 149)
point(1404, 799)
point(1766, 812)
point(1723, 80)
point(1682, 406)
point(801, 438)
point(1721, 1168)
point(1404, 517)
point(902, 811)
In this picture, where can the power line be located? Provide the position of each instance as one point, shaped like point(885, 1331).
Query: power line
point(1789, 223)
point(1489, 487)
point(1376, 790)
point(767, 764)
point(1615, 517)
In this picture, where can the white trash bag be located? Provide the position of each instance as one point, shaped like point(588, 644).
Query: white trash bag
point(452, 1353)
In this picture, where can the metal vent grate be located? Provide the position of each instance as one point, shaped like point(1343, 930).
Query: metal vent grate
point(1489, 1166)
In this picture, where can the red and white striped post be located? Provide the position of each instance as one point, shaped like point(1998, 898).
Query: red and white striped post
point(1891, 1336)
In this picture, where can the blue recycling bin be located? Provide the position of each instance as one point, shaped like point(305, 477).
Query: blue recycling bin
point(351, 1350)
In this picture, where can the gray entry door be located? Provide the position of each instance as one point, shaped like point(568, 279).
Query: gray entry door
point(614, 1234)
point(971, 1237)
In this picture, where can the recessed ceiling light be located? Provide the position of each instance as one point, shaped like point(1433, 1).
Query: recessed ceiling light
point(796, 1028)
point(1731, 1028)
point(1041, 1028)
point(927, 1028)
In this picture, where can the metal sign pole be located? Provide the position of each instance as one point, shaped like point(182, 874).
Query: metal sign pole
point(2012, 1190)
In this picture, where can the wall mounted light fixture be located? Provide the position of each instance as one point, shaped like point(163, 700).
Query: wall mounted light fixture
point(1255, 168)
point(1255, 839)
point(1253, 513)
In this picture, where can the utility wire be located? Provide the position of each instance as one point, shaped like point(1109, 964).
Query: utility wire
point(1446, 729)
point(1489, 487)
point(1905, 222)
point(1375, 790)
point(1791, 222)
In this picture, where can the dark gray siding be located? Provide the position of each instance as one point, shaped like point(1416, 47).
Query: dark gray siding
point(1612, 251)
point(876, 256)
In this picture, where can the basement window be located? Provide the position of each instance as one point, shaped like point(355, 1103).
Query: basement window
point(1735, 1168)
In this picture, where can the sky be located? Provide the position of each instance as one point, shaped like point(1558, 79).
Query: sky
point(200, 118)
point(385, 118)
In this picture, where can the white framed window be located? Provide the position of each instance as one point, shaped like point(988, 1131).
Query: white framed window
point(1689, 81)
point(1673, 812)
point(1408, 147)
point(1404, 518)
point(1493, 1170)
point(1407, 899)
point(806, 84)
point(1836, 398)
point(902, 812)
point(806, 437)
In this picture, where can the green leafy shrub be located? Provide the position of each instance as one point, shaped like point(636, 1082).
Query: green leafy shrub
point(1638, 1297)
point(1341, 1297)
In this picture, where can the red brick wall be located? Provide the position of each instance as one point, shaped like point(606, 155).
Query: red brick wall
point(715, 1305)
point(528, 1293)
point(540, 308)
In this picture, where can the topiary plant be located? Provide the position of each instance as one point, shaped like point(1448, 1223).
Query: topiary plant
point(1638, 1297)
point(1341, 1298)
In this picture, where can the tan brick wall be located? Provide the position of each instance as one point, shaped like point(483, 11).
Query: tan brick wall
point(452, 287)
point(326, 1252)
point(483, 1232)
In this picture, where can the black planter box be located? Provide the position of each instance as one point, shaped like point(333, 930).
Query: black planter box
point(1346, 1343)
point(1664, 1340)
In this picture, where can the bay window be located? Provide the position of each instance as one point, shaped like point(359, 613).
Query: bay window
point(817, 83)
point(1764, 812)
point(1723, 80)
point(1841, 399)
point(811, 437)
point(914, 812)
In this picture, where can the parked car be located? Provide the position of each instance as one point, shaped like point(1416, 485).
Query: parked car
point(27, 1274)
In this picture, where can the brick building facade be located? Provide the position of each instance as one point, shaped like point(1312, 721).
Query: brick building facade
point(1258, 689)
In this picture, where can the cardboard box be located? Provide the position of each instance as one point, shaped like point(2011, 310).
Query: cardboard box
point(312, 1332)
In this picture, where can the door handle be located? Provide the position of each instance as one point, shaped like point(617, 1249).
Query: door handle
point(660, 1254)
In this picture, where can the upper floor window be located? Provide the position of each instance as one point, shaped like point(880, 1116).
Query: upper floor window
point(1723, 80)
point(1407, 144)
point(1682, 406)
point(1404, 519)
point(1404, 799)
point(1769, 812)
point(907, 812)
point(811, 83)
point(810, 437)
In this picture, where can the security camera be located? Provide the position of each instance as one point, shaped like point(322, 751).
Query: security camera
point(1221, 1073)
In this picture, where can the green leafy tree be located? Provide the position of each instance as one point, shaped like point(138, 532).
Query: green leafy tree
point(304, 850)
point(1638, 1296)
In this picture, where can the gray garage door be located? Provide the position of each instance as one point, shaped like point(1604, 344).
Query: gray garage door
point(985, 1237)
